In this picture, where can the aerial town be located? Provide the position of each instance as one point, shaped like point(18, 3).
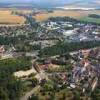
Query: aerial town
point(54, 59)
point(49, 67)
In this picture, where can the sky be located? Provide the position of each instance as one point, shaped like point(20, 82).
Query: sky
point(55, 2)
point(51, 1)
point(42, 1)
point(15, 0)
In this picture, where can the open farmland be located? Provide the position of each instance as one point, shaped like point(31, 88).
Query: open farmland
point(70, 13)
point(6, 17)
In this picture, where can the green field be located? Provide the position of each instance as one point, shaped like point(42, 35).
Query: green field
point(88, 19)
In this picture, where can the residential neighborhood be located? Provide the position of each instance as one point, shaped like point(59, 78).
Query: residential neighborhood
point(49, 50)
point(60, 51)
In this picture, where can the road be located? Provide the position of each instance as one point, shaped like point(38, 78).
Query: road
point(28, 94)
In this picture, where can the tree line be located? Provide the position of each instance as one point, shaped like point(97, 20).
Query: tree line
point(62, 47)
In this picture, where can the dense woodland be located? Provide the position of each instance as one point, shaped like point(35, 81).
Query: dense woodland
point(94, 16)
point(62, 48)
point(57, 19)
point(12, 88)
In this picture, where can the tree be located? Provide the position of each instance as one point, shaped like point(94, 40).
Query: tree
point(3, 94)
point(48, 86)
point(34, 81)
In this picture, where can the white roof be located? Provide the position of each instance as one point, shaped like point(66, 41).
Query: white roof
point(69, 32)
point(72, 86)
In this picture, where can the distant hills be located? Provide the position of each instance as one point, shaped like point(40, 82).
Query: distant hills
point(51, 3)
point(76, 8)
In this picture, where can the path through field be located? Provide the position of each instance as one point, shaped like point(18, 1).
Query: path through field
point(28, 94)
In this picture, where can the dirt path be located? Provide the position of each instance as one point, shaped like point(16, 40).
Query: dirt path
point(28, 94)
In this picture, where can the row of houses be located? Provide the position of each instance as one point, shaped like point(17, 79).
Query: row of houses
point(85, 72)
